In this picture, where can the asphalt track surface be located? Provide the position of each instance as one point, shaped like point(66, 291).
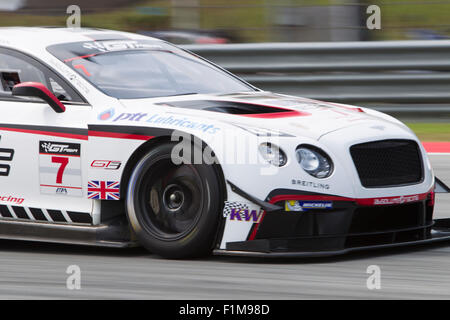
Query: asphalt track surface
point(38, 271)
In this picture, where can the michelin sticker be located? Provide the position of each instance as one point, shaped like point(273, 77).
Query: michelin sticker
point(297, 205)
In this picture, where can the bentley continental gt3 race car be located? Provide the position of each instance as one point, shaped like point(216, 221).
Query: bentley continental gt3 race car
point(117, 139)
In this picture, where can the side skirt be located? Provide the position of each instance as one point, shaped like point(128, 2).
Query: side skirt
point(114, 234)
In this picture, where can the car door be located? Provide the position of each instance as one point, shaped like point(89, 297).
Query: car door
point(41, 172)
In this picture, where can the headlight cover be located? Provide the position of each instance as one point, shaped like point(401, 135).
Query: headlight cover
point(314, 161)
point(272, 154)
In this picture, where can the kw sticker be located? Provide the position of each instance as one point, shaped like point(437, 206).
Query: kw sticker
point(240, 211)
point(60, 168)
point(246, 215)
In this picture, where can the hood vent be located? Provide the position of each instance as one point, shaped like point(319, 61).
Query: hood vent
point(237, 108)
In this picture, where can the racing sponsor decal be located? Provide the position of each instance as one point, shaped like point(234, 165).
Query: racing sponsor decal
point(242, 220)
point(130, 116)
point(246, 215)
point(103, 190)
point(233, 206)
point(396, 200)
point(298, 205)
point(181, 122)
point(360, 201)
point(60, 148)
point(107, 36)
point(120, 45)
point(106, 115)
point(239, 211)
point(311, 184)
point(60, 168)
point(5, 155)
point(69, 75)
point(4, 169)
point(106, 164)
point(11, 199)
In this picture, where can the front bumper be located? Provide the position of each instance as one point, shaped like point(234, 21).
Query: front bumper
point(348, 226)
point(279, 247)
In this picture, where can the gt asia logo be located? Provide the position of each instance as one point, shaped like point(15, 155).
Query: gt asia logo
point(398, 200)
point(106, 164)
point(106, 46)
point(246, 215)
point(59, 148)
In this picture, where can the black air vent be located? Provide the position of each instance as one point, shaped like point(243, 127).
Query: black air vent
point(229, 107)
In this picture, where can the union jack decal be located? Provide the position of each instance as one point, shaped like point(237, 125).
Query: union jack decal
point(103, 190)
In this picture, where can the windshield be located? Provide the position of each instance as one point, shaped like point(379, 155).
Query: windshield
point(129, 69)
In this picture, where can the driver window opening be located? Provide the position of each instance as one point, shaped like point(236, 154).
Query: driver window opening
point(14, 70)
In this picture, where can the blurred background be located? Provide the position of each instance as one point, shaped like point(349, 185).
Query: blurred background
point(320, 49)
point(223, 21)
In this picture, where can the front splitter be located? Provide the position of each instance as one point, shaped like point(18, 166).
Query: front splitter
point(439, 233)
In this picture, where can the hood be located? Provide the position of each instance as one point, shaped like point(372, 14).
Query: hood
point(287, 114)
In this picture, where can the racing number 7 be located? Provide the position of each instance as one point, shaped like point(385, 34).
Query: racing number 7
point(63, 161)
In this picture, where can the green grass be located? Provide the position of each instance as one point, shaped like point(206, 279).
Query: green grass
point(431, 131)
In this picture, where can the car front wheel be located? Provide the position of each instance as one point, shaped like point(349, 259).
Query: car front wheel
point(174, 210)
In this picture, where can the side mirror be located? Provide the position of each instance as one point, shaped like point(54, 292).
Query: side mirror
point(38, 90)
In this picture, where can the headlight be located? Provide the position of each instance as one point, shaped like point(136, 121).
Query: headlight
point(272, 154)
point(314, 161)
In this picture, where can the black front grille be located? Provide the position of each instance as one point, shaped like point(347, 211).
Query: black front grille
point(387, 163)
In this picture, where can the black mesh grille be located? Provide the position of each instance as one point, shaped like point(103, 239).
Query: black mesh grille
point(387, 163)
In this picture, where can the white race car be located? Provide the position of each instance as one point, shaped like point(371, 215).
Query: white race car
point(117, 139)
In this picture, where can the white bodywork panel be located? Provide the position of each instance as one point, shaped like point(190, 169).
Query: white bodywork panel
point(330, 127)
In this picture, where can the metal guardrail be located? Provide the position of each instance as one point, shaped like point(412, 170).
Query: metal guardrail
point(407, 77)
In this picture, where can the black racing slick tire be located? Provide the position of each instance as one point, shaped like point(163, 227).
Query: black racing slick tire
point(174, 210)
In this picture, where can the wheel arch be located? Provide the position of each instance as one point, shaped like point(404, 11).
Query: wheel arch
point(143, 149)
point(152, 143)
